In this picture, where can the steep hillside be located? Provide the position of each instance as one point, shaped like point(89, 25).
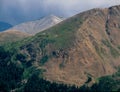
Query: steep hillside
point(4, 26)
point(36, 26)
point(76, 51)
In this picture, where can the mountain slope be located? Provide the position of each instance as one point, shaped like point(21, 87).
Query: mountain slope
point(4, 26)
point(76, 48)
point(36, 26)
point(79, 44)
point(11, 36)
point(76, 51)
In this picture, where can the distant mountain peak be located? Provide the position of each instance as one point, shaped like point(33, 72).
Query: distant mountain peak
point(33, 27)
point(52, 18)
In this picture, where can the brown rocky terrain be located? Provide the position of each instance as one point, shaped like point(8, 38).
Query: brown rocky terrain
point(95, 52)
point(84, 46)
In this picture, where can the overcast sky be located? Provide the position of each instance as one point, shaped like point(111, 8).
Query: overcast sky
point(16, 11)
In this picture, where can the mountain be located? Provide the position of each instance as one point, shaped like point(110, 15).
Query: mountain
point(4, 26)
point(36, 26)
point(78, 51)
point(12, 36)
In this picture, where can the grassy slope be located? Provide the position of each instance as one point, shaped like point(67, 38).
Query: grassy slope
point(11, 36)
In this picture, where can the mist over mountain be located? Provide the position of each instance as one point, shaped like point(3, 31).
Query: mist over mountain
point(18, 11)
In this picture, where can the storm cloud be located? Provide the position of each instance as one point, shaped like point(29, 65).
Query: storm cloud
point(17, 11)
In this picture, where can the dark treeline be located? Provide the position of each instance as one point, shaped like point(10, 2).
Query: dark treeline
point(10, 74)
point(36, 84)
point(11, 77)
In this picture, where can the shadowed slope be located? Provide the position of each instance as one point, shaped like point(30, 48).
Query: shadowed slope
point(4, 26)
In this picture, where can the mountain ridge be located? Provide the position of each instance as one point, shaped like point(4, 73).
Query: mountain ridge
point(33, 27)
point(90, 39)
point(77, 51)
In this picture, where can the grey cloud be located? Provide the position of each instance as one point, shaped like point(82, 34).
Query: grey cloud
point(16, 11)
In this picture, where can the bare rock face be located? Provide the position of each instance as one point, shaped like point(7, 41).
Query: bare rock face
point(85, 45)
point(36, 26)
point(113, 25)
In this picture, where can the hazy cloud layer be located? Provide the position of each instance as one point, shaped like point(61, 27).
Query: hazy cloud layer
point(16, 11)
